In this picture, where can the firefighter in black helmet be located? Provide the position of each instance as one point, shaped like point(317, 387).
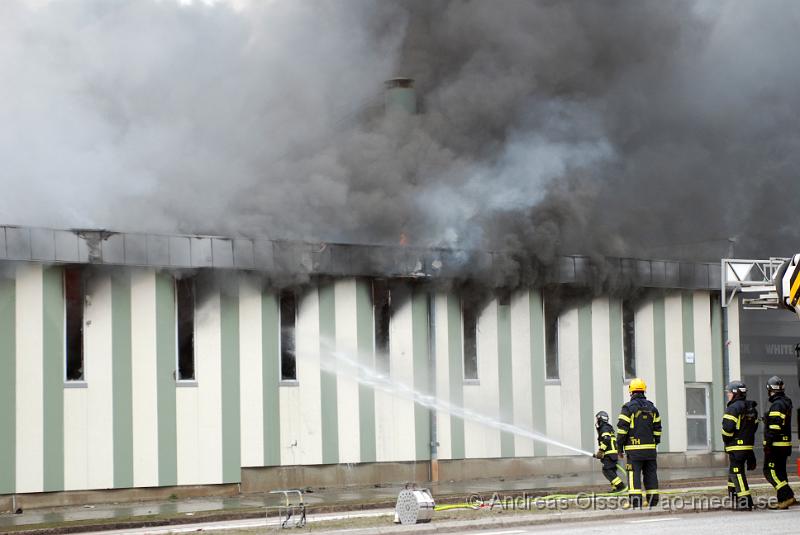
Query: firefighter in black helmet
point(739, 424)
point(638, 434)
point(778, 441)
point(607, 450)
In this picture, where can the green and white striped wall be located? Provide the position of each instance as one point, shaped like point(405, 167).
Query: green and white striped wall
point(131, 425)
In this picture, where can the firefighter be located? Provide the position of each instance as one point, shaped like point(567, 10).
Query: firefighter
point(607, 450)
point(739, 425)
point(778, 441)
point(638, 434)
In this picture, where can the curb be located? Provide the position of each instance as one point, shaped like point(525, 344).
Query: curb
point(442, 527)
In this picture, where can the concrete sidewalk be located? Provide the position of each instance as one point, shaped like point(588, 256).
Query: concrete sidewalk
point(323, 500)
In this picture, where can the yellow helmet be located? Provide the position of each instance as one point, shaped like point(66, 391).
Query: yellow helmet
point(637, 385)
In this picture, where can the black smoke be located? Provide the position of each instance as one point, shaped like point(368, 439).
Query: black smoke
point(650, 128)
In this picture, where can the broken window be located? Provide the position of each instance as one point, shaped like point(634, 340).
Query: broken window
point(288, 320)
point(185, 304)
point(73, 310)
point(382, 313)
point(470, 327)
point(629, 338)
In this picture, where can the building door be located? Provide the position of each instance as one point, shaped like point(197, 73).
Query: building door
point(697, 422)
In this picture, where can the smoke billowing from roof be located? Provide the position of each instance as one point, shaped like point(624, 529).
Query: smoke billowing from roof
point(623, 128)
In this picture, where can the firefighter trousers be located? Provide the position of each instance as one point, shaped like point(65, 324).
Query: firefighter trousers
point(643, 472)
point(610, 471)
point(775, 471)
point(738, 489)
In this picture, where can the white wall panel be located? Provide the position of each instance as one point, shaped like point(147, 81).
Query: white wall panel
point(30, 366)
point(521, 370)
point(145, 392)
point(251, 373)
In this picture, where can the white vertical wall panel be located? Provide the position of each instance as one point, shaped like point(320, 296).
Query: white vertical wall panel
point(187, 423)
point(645, 347)
point(292, 451)
point(145, 392)
point(521, 370)
point(346, 384)
point(250, 372)
point(484, 398)
point(569, 371)
point(29, 371)
point(601, 359)
point(394, 425)
point(208, 366)
point(676, 424)
point(702, 337)
point(76, 462)
point(555, 419)
point(733, 342)
point(97, 403)
point(442, 345)
point(306, 408)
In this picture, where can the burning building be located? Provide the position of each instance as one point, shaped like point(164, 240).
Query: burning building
point(132, 360)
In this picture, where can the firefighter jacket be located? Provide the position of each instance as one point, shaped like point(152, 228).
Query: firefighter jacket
point(639, 428)
point(606, 440)
point(778, 421)
point(739, 425)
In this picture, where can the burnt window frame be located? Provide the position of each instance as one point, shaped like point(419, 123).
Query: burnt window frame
point(473, 311)
point(177, 283)
point(383, 361)
point(287, 381)
point(628, 307)
point(80, 273)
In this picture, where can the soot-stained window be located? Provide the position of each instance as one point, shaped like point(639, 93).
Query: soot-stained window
point(74, 293)
point(470, 326)
point(629, 338)
point(288, 320)
point(185, 304)
point(382, 313)
point(551, 314)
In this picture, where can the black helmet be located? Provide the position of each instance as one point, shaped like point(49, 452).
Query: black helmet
point(775, 384)
point(600, 417)
point(737, 388)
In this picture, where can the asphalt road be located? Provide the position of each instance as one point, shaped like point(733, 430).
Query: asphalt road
point(772, 522)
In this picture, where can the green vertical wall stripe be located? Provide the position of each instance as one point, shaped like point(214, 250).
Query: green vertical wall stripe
point(717, 395)
point(660, 354)
point(687, 315)
point(231, 409)
point(617, 357)
point(53, 367)
point(586, 375)
point(366, 350)
point(537, 370)
point(419, 336)
point(165, 380)
point(505, 374)
point(270, 367)
point(122, 379)
point(456, 375)
point(328, 386)
point(8, 392)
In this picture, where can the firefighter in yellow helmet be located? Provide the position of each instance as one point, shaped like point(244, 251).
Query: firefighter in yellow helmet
point(638, 434)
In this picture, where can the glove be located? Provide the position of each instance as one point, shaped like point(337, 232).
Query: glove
point(621, 455)
point(751, 462)
point(598, 454)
